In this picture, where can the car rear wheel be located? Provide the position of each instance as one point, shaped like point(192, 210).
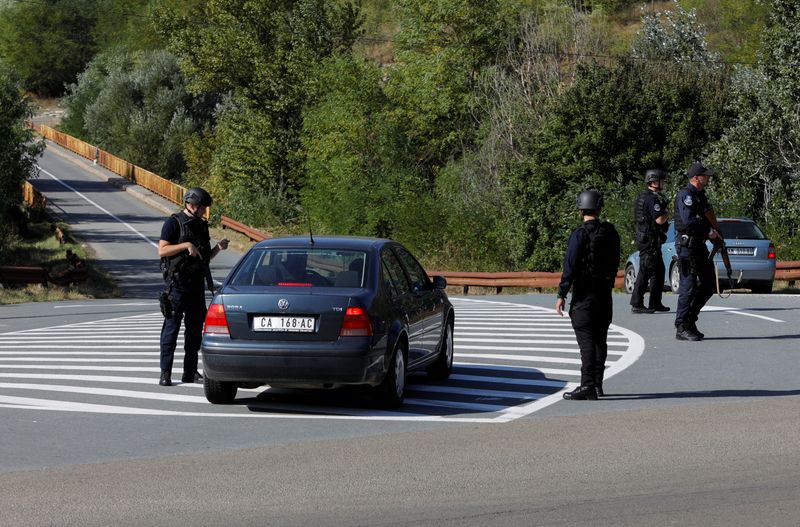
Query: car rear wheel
point(630, 279)
point(219, 392)
point(393, 388)
point(441, 369)
point(674, 277)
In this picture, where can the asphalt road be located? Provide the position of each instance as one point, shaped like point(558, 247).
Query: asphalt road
point(121, 222)
point(691, 433)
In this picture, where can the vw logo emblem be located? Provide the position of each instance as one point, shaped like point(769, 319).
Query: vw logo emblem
point(283, 304)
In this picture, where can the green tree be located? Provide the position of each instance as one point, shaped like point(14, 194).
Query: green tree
point(673, 36)
point(441, 48)
point(758, 156)
point(17, 150)
point(359, 181)
point(514, 100)
point(264, 53)
point(135, 105)
point(48, 43)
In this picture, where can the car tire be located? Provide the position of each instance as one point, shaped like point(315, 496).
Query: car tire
point(762, 289)
point(630, 279)
point(219, 392)
point(393, 388)
point(443, 365)
point(674, 277)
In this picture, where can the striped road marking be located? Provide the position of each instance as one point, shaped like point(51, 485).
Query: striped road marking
point(510, 361)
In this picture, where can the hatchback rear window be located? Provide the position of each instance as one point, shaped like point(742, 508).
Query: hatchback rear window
point(302, 267)
point(740, 230)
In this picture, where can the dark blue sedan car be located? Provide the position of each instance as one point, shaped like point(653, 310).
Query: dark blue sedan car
point(326, 312)
point(752, 257)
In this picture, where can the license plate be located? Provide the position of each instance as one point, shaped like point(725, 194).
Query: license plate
point(741, 251)
point(294, 324)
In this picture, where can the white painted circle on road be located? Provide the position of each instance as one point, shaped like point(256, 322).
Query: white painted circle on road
point(510, 361)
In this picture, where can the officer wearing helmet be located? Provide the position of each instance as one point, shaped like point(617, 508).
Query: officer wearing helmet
point(697, 270)
point(590, 268)
point(185, 251)
point(650, 213)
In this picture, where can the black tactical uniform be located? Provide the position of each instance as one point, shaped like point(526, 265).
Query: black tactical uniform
point(185, 278)
point(591, 305)
point(650, 206)
point(698, 279)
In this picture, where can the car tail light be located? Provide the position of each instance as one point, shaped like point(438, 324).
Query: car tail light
point(356, 323)
point(216, 321)
point(771, 252)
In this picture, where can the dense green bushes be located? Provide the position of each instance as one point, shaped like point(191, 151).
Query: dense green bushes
point(17, 151)
point(472, 137)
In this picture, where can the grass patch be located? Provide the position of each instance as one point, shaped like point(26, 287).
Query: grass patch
point(39, 248)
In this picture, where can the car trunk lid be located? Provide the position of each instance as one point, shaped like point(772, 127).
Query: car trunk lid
point(285, 313)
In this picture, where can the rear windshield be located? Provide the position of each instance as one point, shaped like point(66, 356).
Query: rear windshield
point(301, 267)
point(740, 230)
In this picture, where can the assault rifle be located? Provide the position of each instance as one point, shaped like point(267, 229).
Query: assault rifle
point(719, 246)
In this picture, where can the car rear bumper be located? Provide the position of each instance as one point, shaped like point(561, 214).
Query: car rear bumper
point(749, 272)
point(347, 361)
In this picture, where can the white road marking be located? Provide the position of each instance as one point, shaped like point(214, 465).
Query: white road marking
point(739, 311)
point(522, 369)
point(527, 348)
point(498, 375)
point(125, 224)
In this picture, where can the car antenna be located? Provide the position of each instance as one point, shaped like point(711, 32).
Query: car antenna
point(310, 233)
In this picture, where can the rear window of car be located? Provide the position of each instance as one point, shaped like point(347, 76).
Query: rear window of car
point(740, 230)
point(302, 267)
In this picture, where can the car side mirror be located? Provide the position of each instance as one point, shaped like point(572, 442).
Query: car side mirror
point(439, 282)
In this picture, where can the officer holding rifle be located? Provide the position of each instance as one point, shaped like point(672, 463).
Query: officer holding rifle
point(695, 223)
point(185, 251)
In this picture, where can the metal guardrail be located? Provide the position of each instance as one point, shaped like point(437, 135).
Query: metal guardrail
point(152, 182)
point(785, 270)
point(528, 279)
point(23, 275)
point(254, 234)
point(33, 197)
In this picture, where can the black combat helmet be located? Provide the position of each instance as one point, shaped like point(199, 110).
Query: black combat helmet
point(197, 196)
point(653, 175)
point(590, 199)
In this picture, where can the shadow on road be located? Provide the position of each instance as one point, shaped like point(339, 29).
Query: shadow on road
point(703, 394)
point(765, 337)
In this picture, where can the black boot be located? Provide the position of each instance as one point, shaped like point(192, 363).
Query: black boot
point(684, 332)
point(693, 325)
point(192, 377)
point(166, 378)
point(642, 310)
point(582, 393)
point(599, 390)
point(660, 308)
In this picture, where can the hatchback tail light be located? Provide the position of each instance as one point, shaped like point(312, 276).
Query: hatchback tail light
point(216, 321)
point(771, 252)
point(356, 323)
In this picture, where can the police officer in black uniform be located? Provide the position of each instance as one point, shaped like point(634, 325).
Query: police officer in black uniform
point(650, 211)
point(185, 250)
point(692, 227)
point(591, 305)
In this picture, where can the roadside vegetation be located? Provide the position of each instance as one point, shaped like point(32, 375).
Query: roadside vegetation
point(37, 246)
point(463, 128)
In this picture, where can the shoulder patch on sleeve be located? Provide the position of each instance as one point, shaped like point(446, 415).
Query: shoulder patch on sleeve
point(688, 200)
point(657, 207)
